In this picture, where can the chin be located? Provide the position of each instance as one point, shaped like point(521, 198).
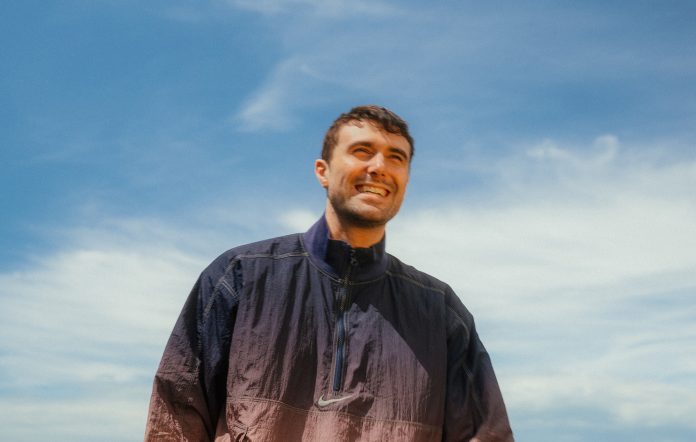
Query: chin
point(361, 214)
point(367, 220)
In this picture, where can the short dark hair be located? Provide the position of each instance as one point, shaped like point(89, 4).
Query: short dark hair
point(378, 115)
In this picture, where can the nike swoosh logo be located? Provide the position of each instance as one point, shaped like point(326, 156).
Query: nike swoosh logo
point(321, 402)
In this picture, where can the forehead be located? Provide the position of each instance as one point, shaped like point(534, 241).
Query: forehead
point(357, 131)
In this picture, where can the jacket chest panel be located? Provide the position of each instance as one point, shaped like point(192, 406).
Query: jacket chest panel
point(284, 348)
point(282, 338)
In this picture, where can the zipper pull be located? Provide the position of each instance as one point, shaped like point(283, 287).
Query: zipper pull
point(353, 259)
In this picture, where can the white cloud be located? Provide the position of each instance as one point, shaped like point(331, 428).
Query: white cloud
point(272, 106)
point(84, 325)
point(324, 8)
point(188, 11)
point(606, 148)
point(114, 419)
point(267, 109)
point(298, 220)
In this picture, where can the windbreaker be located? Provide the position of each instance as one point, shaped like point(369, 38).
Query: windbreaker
point(304, 338)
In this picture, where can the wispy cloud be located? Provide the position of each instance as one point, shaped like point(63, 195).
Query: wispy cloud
point(326, 8)
point(82, 329)
point(194, 12)
point(595, 218)
point(293, 85)
point(270, 108)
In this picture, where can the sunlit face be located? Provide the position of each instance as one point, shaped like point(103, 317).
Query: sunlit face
point(367, 174)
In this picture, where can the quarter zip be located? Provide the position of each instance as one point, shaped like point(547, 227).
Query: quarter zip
point(343, 300)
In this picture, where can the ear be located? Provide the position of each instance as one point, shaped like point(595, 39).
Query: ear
point(321, 170)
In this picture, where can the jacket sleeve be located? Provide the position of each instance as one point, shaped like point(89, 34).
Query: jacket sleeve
point(189, 390)
point(474, 409)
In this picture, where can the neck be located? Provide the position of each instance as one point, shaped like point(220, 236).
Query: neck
point(356, 236)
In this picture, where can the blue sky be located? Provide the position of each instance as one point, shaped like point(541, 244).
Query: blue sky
point(552, 187)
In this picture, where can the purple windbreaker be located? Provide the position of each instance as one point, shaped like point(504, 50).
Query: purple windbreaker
point(305, 338)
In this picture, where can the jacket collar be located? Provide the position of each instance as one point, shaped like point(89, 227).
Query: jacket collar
point(334, 256)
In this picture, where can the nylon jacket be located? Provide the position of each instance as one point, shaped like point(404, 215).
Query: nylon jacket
point(304, 338)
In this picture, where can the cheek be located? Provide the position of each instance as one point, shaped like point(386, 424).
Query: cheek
point(403, 180)
point(340, 183)
point(344, 179)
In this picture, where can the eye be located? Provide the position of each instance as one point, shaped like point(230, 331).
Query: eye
point(361, 151)
point(398, 158)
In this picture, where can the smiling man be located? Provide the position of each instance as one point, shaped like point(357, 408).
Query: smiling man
point(364, 169)
point(323, 336)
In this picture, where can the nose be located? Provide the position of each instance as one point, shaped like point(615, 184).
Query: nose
point(376, 164)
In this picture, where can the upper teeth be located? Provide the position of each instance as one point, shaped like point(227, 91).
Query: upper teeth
point(371, 189)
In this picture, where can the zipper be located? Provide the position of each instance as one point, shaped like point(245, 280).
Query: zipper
point(343, 300)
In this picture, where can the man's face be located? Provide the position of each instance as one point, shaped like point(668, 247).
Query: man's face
point(367, 174)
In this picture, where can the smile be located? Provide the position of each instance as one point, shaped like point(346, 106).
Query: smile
point(366, 188)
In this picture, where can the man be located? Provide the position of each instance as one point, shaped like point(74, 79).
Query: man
point(323, 336)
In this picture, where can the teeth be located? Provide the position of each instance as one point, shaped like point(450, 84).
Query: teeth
point(371, 189)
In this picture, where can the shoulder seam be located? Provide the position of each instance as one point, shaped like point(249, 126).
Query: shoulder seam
point(458, 316)
point(272, 256)
point(413, 281)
